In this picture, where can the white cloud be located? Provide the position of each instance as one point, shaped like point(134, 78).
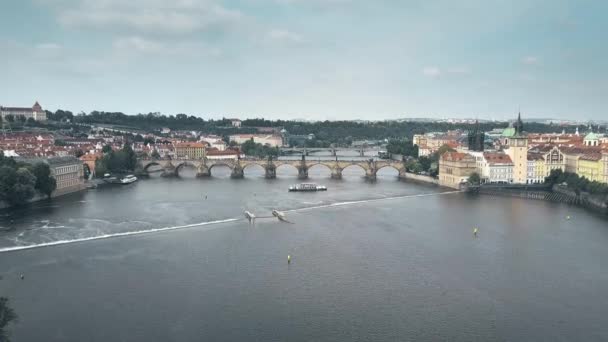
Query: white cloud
point(48, 46)
point(530, 60)
point(162, 16)
point(459, 70)
point(284, 35)
point(431, 71)
point(138, 44)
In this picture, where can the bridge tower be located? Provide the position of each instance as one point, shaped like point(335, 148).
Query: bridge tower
point(303, 168)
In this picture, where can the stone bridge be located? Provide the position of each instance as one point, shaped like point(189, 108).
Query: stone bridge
point(171, 168)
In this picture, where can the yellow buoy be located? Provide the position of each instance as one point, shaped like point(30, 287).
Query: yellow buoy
point(475, 231)
point(288, 259)
point(567, 217)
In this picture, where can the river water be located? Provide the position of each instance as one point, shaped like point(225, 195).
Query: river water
point(174, 260)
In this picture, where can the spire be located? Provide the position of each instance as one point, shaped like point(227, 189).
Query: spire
point(519, 125)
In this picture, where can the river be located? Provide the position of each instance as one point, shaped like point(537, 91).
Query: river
point(175, 260)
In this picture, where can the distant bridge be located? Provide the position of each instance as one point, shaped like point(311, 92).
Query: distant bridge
point(203, 167)
point(333, 150)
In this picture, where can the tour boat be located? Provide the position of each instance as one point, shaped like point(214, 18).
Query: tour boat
point(128, 179)
point(307, 187)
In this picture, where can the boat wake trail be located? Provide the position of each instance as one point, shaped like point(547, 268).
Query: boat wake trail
point(208, 223)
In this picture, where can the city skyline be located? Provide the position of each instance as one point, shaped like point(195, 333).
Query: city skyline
point(316, 59)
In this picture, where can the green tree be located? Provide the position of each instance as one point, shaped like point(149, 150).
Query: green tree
point(31, 121)
point(7, 316)
point(17, 185)
point(106, 149)
point(474, 178)
point(10, 118)
point(22, 119)
point(78, 153)
point(45, 182)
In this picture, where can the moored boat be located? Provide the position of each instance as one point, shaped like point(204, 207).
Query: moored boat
point(307, 187)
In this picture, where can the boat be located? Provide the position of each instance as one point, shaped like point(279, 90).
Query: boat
point(128, 179)
point(307, 187)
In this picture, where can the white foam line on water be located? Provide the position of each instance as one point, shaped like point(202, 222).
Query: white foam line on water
point(164, 229)
point(109, 236)
point(339, 204)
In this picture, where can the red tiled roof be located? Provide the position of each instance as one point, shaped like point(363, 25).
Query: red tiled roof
point(591, 156)
point(497, 158)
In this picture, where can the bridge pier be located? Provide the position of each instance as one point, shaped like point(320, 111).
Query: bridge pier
point(302, 172)
point(336, 173)
point(270, 172)
point(203, 172)
point(237, 172)
point(169, 171)
point(402, 174)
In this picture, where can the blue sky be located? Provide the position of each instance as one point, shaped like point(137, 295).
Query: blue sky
point(312, 59)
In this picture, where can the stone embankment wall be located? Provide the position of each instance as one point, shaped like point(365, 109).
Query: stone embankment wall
point(421, 178)
point(555, 194)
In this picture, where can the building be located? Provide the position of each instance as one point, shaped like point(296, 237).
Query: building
point(214, 153)
point(591, 167)
point(190, 150)
point(592, 139)
point(270, 140)
point(517, 148)
point(475, 139)
point(554, 160)
point(89, 160)
point(536, 169)
point(35, 112)
point(455, 169)
point(235, 122)
point(214, 141)
point(605, 166)
point(67, 171)
point(497, 168)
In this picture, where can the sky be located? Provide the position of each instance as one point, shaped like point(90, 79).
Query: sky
point(308, 59)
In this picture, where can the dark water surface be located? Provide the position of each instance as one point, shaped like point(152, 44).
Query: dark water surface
point(402, 268)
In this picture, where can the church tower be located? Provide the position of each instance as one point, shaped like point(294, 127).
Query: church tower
point(518, 151)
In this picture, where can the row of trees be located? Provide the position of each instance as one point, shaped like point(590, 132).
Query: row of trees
point(122, 161)
point(250, 148)
point(576, 183)
point(334, 132)
point(19, 182)
point(403, 147)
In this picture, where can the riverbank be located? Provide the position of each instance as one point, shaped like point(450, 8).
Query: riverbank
point(556, 193)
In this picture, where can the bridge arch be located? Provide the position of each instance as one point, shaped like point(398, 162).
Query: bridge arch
point(285, 166)
point(354, 167)
point(148, 165)
point(181, 165)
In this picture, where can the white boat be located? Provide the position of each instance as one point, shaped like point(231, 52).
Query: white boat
point(307, 187)
point(128, 179)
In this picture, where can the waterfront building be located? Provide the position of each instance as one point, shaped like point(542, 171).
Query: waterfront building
point(190, 150)
point(67, 171)
point(264, 139)
point(590, 166)
point(497, 168)
point(572, 154)
point(605, 166)
point(554, 159)
point(536, 168)
point(455, 169)
point(517, 148)
point(89, 160)
point(35, 112)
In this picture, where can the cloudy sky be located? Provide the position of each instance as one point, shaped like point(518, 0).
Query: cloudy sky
point(316, 59)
